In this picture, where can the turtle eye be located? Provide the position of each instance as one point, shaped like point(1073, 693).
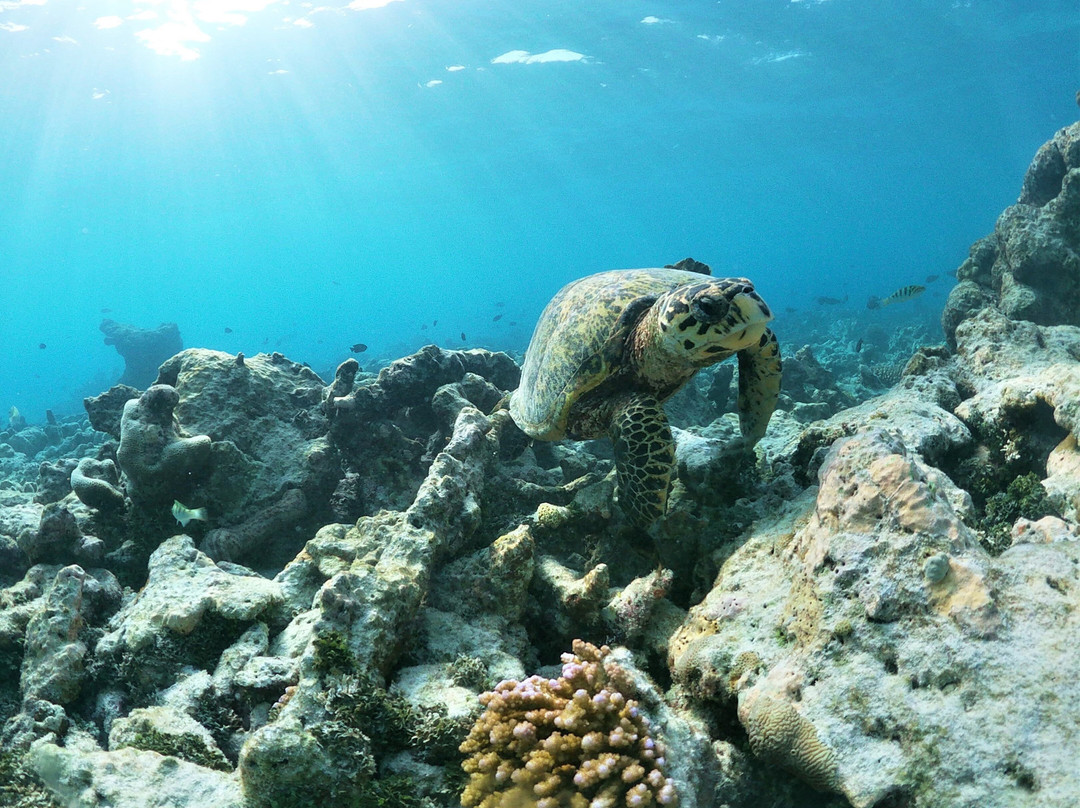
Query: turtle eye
point(709, 308)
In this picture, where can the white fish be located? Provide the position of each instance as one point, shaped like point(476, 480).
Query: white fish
point(184, 514)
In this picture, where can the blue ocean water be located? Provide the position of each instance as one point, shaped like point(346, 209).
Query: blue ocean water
point(314, 176)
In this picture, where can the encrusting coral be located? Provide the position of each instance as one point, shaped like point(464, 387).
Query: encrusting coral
point(574, 741)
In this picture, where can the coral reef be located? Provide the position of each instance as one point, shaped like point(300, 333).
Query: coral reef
point(872, 610)
point(573, 740)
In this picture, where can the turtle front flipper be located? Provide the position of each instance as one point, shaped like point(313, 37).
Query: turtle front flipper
point(759, 386)
point(644, 457)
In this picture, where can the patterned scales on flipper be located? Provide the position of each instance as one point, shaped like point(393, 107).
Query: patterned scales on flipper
point(644, 457)
point(759, 386)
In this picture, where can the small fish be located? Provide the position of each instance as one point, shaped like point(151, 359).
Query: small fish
point(790, 309)
point(858, 345)
point(106, 311)
point(513, 322)
point(265, 340)
point(434, 322)
point(932, 278)
point(830, 301)
point(336, 283)
point(462, 336)
point(183, 514)
point(499, 305)
point(228, 330)
point(904, 293)
point(496, 318)
point(423, 327)
point(42, 345)
point(358, 348)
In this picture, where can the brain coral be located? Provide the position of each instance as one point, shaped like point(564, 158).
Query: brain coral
point(570, 742)
point(780, 735)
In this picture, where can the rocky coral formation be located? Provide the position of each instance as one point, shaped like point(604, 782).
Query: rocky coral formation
point(887, 641)
point(389, 428)
point(159, 462)
point(572, 740)
point(1029, 268)
point(143, 349)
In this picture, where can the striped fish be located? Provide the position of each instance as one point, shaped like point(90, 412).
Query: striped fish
point(184, 514)
point(899, 296)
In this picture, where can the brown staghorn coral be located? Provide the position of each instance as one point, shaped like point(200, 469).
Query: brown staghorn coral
point(571, 742)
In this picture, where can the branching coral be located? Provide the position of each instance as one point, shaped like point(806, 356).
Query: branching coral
point(569, 742)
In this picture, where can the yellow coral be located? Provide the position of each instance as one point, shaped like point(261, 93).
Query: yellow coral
point(571, 742)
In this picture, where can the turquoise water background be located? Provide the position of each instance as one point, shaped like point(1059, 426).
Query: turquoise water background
point(315, 176)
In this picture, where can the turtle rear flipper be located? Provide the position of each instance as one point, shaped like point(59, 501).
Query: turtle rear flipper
point(759, 386)
point(644, 457)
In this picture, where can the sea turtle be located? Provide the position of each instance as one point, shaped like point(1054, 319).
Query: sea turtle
point(610, 348)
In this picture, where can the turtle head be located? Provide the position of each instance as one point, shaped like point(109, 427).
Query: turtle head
point(711, 320)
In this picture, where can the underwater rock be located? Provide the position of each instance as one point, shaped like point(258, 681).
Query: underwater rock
point(13, 561)
point(266, 423)
point(1030, 268)
point(390, 428)
point(57, 538)
point(107, 409)
point(273, 522)
point(472, 391)
point(53, 662)
point(894, 683)
point(54, 480)
point(570, 600)
point(143, 349)
point(28, 441)
point(158, 460)
point(918, 411)
point(630, 609)
point(371, 580)
point(497, 578)
point(808, 382)
point(1024, 411)
point(38, 720)
point(169, 732)
point(134, 778)
point(414, 380)
point(189, 610)
point(45, 622)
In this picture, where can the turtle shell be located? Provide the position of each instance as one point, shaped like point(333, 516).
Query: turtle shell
point(578, 342)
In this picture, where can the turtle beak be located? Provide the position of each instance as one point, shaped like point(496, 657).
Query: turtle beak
point(751, 308)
